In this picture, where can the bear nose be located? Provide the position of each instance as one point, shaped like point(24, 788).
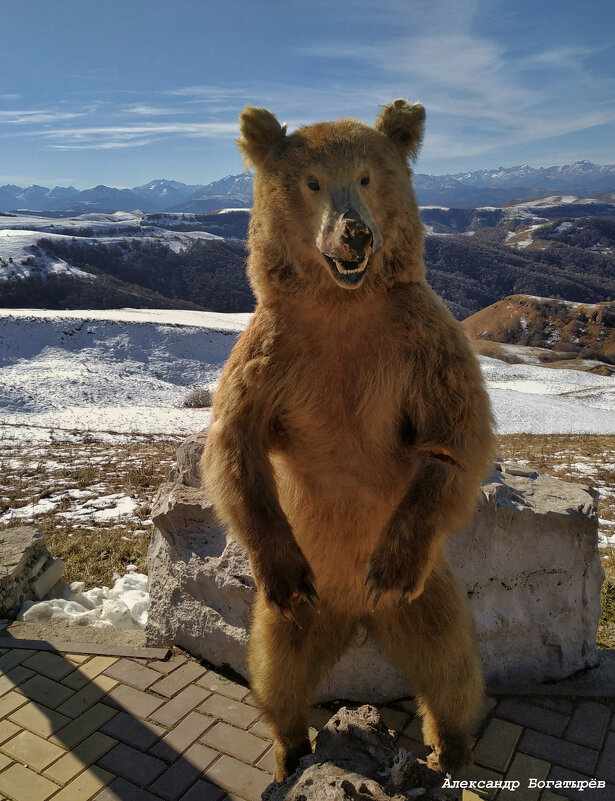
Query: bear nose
point(356, 235)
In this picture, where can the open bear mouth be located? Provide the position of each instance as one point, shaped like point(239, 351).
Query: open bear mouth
point(347, 272)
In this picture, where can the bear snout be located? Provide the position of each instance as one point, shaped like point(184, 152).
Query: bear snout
point(357, 237)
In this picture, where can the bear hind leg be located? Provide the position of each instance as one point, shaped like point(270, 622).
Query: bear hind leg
point(433, 641)
point(286, 665)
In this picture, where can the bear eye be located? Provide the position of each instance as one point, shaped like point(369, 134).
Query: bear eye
point(365, 180)
point(314, 186)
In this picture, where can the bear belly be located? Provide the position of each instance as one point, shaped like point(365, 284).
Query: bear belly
point(337, 522)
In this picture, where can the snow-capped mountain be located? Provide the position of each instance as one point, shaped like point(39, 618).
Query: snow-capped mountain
point(499, 186)
point(162, 194)
point(477, 188)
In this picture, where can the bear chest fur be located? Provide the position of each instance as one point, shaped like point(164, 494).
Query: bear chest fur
point(342, 424)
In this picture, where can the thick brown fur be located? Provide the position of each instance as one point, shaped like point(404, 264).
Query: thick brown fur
point(351, 431)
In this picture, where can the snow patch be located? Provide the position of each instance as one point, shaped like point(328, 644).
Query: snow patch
point(123, 606)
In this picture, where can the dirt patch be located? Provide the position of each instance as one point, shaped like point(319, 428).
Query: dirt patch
point(64, 632)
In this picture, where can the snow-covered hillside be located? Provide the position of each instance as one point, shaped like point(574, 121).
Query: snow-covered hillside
point(20, 255)
point(129, 371)
point(126, 371)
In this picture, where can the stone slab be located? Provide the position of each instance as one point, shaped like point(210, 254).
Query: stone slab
point(86, 648)
point(529, 561)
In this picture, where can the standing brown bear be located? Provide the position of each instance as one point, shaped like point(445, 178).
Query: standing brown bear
point(351, 429)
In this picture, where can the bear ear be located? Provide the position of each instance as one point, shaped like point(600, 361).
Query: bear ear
point(259, 131)
point(404, 124)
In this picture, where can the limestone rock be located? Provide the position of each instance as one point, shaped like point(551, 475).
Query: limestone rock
point(187, 469)
point(529, 561)
point(201, 585)
point(531, 566)
point(354, 759)
point(27, 569)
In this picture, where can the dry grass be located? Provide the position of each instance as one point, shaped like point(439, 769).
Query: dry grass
point(71, 475)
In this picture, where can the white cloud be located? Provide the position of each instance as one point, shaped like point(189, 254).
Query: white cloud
point(34, 116)
point(143, 110)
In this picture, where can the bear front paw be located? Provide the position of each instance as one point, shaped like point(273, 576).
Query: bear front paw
point(387, 573)
point(286, 581)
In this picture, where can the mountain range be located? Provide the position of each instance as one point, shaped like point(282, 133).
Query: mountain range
point(468, 189)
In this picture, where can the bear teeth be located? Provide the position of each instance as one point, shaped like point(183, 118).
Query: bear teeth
point(344, 271)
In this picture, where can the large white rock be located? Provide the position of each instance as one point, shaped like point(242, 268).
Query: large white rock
point(529, 561)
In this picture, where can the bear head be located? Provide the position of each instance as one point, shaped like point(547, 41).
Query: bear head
point(334, 211)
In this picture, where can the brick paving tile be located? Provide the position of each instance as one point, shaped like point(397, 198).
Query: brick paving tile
point(139, 733)
point(523, 768)
point(559, 773)
point(121, 790)
point(130, 764)
point(267, 762)
point(4, 761)
point(562, 705)
point(85, 785)
point(10, 702)
point(175, 709)
point(7, 730)
point(86, 697)
point(261, 729)
point(418, 748)
point(37, 718)
point(204, 791)
point(32, 750)
point(407, 704)
point(77, 659)
point(414, 729)
point(46, 691)
point(319, 715)
point(48, 664)
point(129, 672)
point(234, 712)
point(166, 666)
point(176, 780)
point(535, 717)
point(235, 742)
point(183, 735)
point(85, 673)
point(606, 764)
point(496, 747)
point(14, 678)
point(244, 780)
point(250, 699)
point(483, 774)
point(80, 728)
point(13, 658)
point(589, 724)
point(23, 784)
point(136, 702)
point(86, 753)
point(560, 752)
point(218, 684)
point(178, 679)
point(486, 708)
point(394, 718)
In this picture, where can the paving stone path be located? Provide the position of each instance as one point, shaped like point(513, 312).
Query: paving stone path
point(99, 728)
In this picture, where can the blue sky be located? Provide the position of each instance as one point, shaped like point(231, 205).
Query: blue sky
point(125, 91)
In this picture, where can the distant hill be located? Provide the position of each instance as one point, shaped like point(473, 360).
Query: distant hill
point(555, 247)
point(547, 323)
point(469, 189)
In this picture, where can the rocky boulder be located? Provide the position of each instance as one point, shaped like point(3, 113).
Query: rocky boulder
point(529, 561)
point(27, 569)
point(354, 759)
